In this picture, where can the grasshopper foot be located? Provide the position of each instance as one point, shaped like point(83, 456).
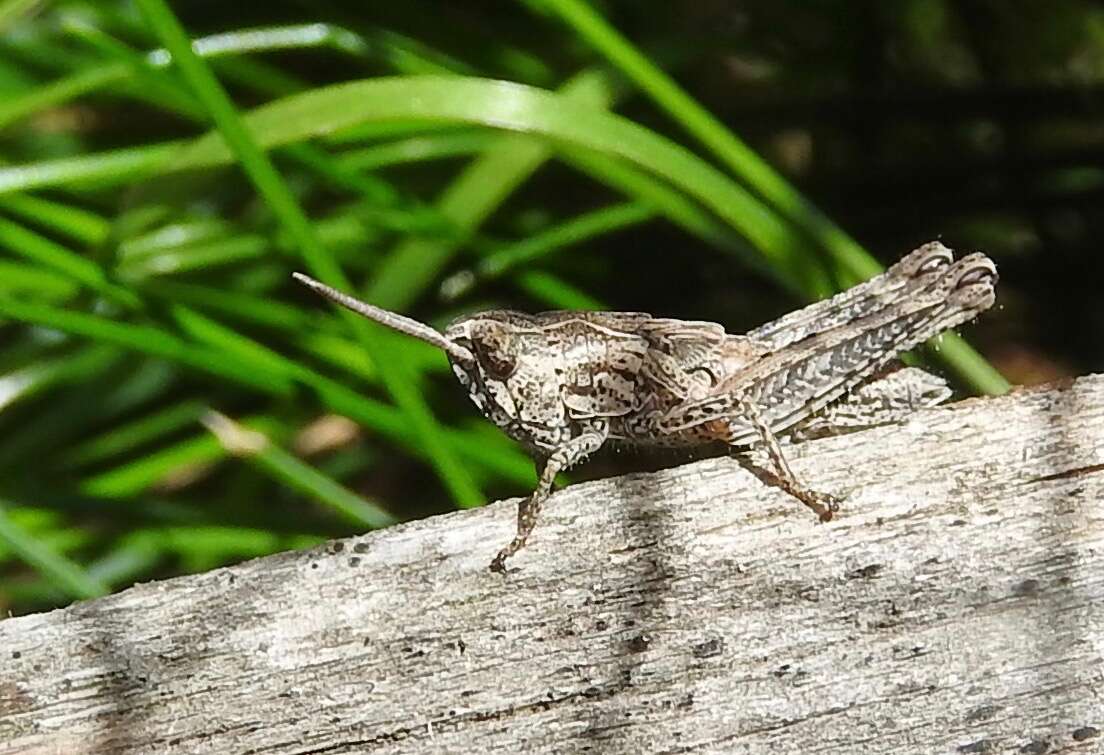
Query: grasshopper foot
point(823, 505)
point(499, 563)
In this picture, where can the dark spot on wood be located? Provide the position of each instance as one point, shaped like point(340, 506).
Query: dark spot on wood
point(1085, 732)
point(354, 561)
point(1036, 747)
point(601, 625)
point(461, 646)
point(16, 654)
point(709, 648)
point(361, 548)
point(1027, 587)
point(982, 713)
point(866, 572)
point(337, 547)
point(982, 745)
point(314, 564)
point(639, 643)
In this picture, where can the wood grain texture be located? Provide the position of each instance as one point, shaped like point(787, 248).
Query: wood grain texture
point(956, 605)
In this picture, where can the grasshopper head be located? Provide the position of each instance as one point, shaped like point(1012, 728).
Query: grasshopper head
point(498, 353)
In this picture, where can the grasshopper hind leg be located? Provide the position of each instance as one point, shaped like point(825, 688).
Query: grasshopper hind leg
point(822, 504)
point(888, 398)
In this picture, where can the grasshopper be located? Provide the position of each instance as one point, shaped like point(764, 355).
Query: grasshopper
point(564, 384)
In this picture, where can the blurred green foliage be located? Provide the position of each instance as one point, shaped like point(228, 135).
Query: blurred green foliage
point(169, 401)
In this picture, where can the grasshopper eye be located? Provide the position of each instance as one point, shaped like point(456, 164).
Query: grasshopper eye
point(498, 365)
point(493, 350)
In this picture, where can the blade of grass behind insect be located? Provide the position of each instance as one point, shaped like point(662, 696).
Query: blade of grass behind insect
point(59, 92)
point(419, 148)
point(61, 572)
point(43, 283)
point(283, 204)
point(548, 242)
point(197, 452)
point(146, 339)
point(470, 198)
point(124, 438)
point(50, 528)
point(555, 292)
point(95, 169)
point(50, 254)
point(11, 11)
point(45, 373)
point(287, 469)
point(65, 219)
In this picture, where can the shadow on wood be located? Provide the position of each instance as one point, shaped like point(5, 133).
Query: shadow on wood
point(957, 603)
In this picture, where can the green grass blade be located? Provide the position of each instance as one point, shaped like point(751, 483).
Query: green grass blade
point(66, 219)
point(419, 148)
point(556, 293)
point(471, 198)
point(542, 245)
point(59, 92)
point(45, 373)
point(124, 438)
point(95, 169)
point(188, 459)
point(47, 253)
point(146, 339)
point(62, 572)
point(43, 283)
point(288, 469)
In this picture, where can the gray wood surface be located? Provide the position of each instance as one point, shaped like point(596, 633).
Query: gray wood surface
point(956, 605)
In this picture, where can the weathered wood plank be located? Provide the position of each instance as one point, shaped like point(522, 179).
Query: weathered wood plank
point(957, 604)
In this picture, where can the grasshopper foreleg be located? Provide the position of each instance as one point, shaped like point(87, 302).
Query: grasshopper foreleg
point(561, 459)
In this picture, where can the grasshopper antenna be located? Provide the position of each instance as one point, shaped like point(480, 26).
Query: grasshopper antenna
point(405, 325)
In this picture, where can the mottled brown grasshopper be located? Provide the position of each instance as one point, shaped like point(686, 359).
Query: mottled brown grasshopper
point(563, 384)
